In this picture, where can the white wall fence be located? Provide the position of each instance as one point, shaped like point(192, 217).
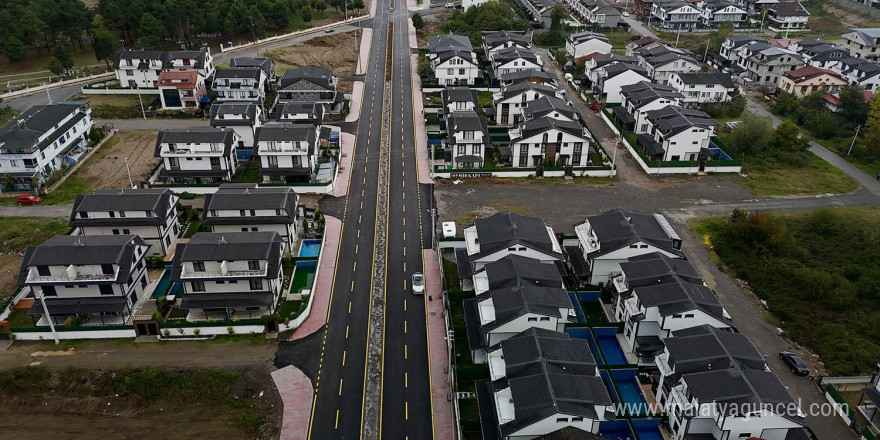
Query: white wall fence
point(250, 44)
point(463, 173)
point(694, 169)
point(83, 333)
point(42, 89)
point(117, 91)
point(211, 189)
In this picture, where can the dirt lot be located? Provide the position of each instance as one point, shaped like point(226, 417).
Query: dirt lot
point(81, 402)
point(432, 22)
point(849, 18)
point(336, 52)
point(109, 170)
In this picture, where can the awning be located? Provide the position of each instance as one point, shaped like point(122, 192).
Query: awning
point(578, 264)
point(227, 300)
point(649, 344)
point(651, 146)
point(873, 395)
point(472, 324)
point(468, 158)
point(73, 306)
point(622, 115)
point(298, 171)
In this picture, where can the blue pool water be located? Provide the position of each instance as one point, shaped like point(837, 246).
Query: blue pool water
point(606, 337)
point(310, 248)
point(608, 385)
point(163, 285)
point(628, 387)
point(589, 296)
point(617, 430)
point(577, 307)
point(584, 333)
point(719, 152)
point(647, 429)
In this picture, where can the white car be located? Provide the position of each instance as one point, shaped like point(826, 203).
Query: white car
point(450, 6)
point(418, 284)
point(626, 14)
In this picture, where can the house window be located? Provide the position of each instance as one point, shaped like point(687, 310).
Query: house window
point(253, 265)
point(476, 150)
point(198, 286)
point(49, 291)
point(462, 149)
point(112, 214)
point(562, 420)
point(534, 319)
point(126, 231)
point(688, 315)
point(676, 316)
point(116, 232)
point(43, 271)
point(577, 419)
point(545, 318)
point(199, 266)
point(256, 284)
point(523, 161)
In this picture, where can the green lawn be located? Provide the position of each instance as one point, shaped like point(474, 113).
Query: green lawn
point(818, 271)
point(768, 178)
point(194, 226)
point(17, 233)
point(249, 173)
point(619, 38)
point(286, 309)
point(20, 319)
point(485, 99)
point(450, 270)
point(433, 99)
point(859, 157)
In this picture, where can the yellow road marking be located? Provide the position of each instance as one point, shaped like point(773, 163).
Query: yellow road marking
point(404, 266)
point(349, 307)
point(406, 410)
point(404, 305)
point(336, 426)
point(405, 351)
point(346, 335)
point(404, 326)
point(355, 268)
point(359, 233)
point(356, 246)
point(404, 221)
point(340, 387)
point(404, 250)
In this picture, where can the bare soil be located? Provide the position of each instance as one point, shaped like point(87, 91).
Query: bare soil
point(849, 18)
point(109, 171)
point(337, 52)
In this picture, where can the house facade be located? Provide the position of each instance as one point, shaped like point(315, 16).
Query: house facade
point(240, 84)
point(495, 41)
point(199, 155)
point(151, 214)
point(599, 13)
point(44, 139)
point(141, 68)
point(467, 138)
point(511, 99)
point(453, 67)
point(677, 133)
point(459, 99)
point(507, 233)
point(611, 78)
point(96, 279)
point(787, 16)
point(300, 113)
point(514, 59)
point(586, 43)
point(675, 14)
point(547, 140)
point(229, 275)
point(267, 65)
point(639, 99)
point(718, 12)
point(242, 117)
point(249, 208)
point(663, 61)
point(703, 87)
point(310, 84)
point(806, 80)
point(862, 43)
point(288, 152)
point(765, 66)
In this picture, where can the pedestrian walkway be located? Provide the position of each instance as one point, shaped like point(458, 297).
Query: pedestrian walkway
point(324, 283)
point(153, 124)
point(438, 347)
point(421, 135)
point(346, 154)
point(357, 91)
point(295, 389)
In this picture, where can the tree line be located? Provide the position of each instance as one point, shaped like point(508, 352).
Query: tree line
point(146, 24)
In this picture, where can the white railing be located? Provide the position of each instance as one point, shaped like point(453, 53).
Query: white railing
point(227, 274)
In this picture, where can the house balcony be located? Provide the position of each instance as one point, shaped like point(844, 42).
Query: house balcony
point(587, 238)
point(168, 152)
point(288, 150)
point(619, 282)
point(631, 308)
point(71, 275)
point(188, 274)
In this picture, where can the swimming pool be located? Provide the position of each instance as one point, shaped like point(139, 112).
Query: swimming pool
point(647, 429)
point(164, 284)
point(617, 430)
point(584, 333)
point(310, 248)
point(606, 337)
point(630, 392)
point(577, 307)
point(303, 276)
point(718, 152)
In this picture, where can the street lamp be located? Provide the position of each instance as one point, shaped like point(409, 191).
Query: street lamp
point(138, 87)
point(39, 294)
point(128, 170)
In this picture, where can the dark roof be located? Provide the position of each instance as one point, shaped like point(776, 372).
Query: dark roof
point(197, 135)
point(65, 250)
point(230, 246)
point(157, 201)
point(200, 56)
point(678, 297)
point(586, 36)
point(515, 77)
point(248, 109)
point(447, 55)
point(515, 270)
point(285, 131)
point(739, 40)
point(315, 75)
point(619, 68)
point(444, 42)
point(622, 115)
point(495, 39)
point(505, 228)
point(706, 348)
point(527, 86)
point(657, 268)
point(227, 300)
point(645, 92)
point(536, 126)
point(458, 94)
point(789, 9)
point(235, 197)
point(511, 303)
point(466, 120)
point(24, 131)
point(707, 78)
point(739, 390)
point(313, 111)
point(267, 64)
point(546, 105)
point(620, 227)
point(239, 73)
point(73, 306)
point(672, 120)
point(534, 349)
point(572, 433)
point(508, 54)
point(472, 324)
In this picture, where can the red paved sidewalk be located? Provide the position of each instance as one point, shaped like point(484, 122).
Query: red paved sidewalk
point(443, 423)
point(296, 393)
point(357, 91)
point(324, 282)
point(419, 113)
point(346, 149)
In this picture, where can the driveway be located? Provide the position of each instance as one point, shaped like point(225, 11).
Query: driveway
point(57, 211)
point(639, 27)
point(153, 124)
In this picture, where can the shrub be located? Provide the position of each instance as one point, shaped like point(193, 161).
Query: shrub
point(230, 330)
point(197, 332)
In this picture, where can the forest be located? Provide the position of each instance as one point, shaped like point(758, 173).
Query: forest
point(819, 273)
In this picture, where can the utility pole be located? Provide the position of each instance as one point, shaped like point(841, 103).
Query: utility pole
point(706, 53)
point(143, 113)
point(853, 141)
point(39, 294)
point(762, 21)
point(677, 35)
point(128, 170)
point(47, 92)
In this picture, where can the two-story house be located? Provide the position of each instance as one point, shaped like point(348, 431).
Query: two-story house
point(728, 54)
point(446, 42)
point(300, 113)
point(229, 275)
point(151, 214)
point(141, 68)
point(608, 239)
point(514, 270)
point(511, 99)
point(542, 382)
point(662, 61)
point(180, 89)
point(863, 43)
point(459, 99)
point(675, 14)
point(703, 87)
point(643, 43)
point(467, 135)
point(599, 13)
point(198, 155)
point(514, 59)
point(266, 64)
point(610, 78)
point(96, 279)
point(249, 208)
point(718, 12)
point(310, 84)
point(646, 270)
point(498, 40)
point(240, 84)
point(594, 66)
point(584, 44)
point(549, 141)
point(288, 152)
point(242, 117)
point(42, 140)
point(455, 66)
point(551, 107)
point(766, 66)
point(806, 80)
point(640, 98)
point(700, 349)
point(787, 16)
point(677, 133)
point(733, 403)
point(493, 238)
point(860, 72)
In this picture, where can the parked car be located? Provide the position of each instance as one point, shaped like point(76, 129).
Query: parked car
point(27, 199)
point(794, 363)
point(450, 6)
point(595, 107)
point(329, 31)
point(418, 283)
point(625, 14)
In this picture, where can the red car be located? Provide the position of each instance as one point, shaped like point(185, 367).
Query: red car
point(596, 107)
point(27, 199)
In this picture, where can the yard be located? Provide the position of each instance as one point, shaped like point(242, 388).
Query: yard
point(769, 178)
point(338, 52)
point(619, 38)
point(16, 234)
point(830, 20)
point(116, 106)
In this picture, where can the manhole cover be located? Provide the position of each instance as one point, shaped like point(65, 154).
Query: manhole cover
point(433, 313)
